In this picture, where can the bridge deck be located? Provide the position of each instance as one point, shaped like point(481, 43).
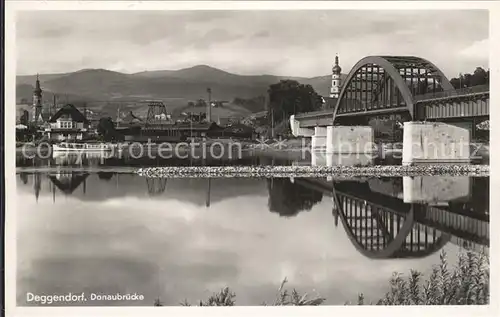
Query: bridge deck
point(439, 105)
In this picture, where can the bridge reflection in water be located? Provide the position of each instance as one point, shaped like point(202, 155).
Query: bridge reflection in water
point(398, 217)
point(382, 225)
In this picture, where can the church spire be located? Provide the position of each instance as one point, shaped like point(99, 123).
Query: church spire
point(38, 90)
point(37, 100)
point(336, 80)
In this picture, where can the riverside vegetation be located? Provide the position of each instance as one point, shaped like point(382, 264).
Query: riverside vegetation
point(467, 283)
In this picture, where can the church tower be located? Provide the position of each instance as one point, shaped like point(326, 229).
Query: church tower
point(336, 81)
point(37, 101)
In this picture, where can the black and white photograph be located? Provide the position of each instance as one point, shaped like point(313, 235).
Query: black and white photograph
point(237, 154)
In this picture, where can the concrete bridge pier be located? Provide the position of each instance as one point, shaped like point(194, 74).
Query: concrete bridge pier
point(349, 145)
point(436, 142)
point(319, 140)
point(349, 139)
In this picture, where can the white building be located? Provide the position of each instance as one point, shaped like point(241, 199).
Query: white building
point(68, 124)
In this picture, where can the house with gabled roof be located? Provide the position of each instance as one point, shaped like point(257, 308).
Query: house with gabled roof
point(67, 124)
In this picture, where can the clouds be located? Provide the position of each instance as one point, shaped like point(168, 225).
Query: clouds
point(298, 43)
point(477, 51)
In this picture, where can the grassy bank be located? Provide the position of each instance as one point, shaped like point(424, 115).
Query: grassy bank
point(466, 283)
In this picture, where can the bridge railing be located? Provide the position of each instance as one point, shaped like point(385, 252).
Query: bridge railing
point(453, 92)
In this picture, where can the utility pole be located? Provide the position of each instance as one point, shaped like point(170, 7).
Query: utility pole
point(209, 106)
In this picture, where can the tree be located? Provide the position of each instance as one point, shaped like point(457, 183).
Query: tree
point(290, 97)
point(106, 128)
point(25, 118)
point(479, 77)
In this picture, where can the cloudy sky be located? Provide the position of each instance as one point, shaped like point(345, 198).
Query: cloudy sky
point(294, 43)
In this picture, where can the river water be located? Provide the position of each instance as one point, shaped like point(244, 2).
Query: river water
point(177, 239)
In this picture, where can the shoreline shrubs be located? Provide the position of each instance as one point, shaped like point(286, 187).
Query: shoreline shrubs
point(466, 283)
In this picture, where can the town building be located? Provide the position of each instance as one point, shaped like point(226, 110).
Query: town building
point(67, 124)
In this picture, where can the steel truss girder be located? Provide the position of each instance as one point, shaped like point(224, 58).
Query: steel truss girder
point(393, 74)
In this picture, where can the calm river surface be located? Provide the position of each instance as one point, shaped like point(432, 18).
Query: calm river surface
point(177, 239)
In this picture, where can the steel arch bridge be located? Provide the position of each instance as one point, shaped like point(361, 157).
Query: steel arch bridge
point(404, 88)
point(388, 84)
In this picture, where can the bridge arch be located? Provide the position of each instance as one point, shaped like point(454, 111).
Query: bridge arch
point(379, 232)
point(378, 85)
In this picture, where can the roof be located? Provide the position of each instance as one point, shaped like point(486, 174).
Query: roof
point(131, 118)
point(72, 111)
point(196, 126)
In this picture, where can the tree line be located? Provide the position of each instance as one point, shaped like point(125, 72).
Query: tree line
point(478, 77)
point(290, 97)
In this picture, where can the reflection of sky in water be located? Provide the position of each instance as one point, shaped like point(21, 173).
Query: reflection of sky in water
point(114, 238)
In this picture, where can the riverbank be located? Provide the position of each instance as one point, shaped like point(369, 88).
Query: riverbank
point(313, 171)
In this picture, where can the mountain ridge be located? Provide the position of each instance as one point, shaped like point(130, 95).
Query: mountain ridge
point(96, 86)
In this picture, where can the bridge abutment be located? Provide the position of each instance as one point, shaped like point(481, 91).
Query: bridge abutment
point(297, 131)
point(436, 142)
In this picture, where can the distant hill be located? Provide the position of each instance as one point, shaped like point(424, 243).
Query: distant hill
point(30, 79)
point(108, 90)
point(24, 95)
